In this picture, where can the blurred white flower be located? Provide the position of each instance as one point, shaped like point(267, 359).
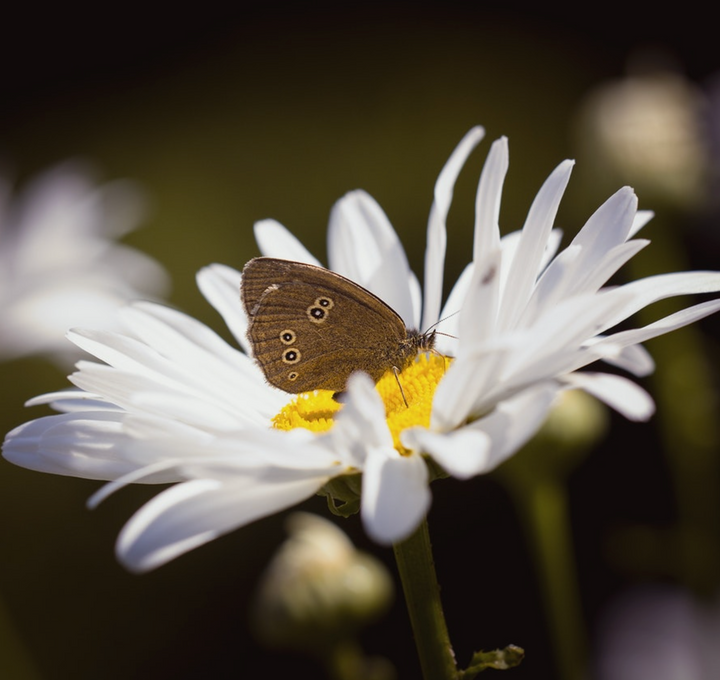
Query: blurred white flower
point(172, 402)
point(647, 130)
point(319, 588)
point(60, 265)
point(659, 633)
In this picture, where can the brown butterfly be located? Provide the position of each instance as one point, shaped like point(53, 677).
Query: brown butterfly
point(310, 328)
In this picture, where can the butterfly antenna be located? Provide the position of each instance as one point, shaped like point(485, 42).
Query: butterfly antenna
point(439, 321)
point(402, 392)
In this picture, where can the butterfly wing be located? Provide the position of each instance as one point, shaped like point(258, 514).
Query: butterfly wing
point(310, 328)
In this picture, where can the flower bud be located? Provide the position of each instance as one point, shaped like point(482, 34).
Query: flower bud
point(318, 589)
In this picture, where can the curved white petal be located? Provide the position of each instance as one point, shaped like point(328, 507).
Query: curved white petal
point(609, 225)
point(91, 445)
point(479, 313)
point(221, 287)
point(363, 246)
point(527, 263)
point(665, 325)
point(71, 400)
point(275, 240)
point(437, 233)
point(643, 292)
point(395, 495)
point(487, 200)
point(190, 514)
point(514, 421)
point(361, 425)
point(462, 453)
point(600, 272)
point(625, 396)
point(641, 219)
point(181, 337)
point(634, 358)
point(448, 326)
point(181, 358)
point(462, 388)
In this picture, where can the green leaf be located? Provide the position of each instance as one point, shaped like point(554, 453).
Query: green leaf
point(343, 509)
point(343, 494)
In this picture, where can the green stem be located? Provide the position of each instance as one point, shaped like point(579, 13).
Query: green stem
point(422, 596)
point(545, 506)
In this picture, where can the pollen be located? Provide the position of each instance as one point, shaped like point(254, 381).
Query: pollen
point(316, 411)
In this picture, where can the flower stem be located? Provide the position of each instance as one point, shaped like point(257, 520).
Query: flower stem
point(422, 596)
point(545, 506)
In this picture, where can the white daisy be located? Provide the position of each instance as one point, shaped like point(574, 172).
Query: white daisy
point(60, 265)
point(172, 402)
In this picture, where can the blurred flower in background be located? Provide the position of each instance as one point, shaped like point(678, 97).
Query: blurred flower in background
point(318, 592)
point(647, 130)
point(659, 633)
point(60, 263)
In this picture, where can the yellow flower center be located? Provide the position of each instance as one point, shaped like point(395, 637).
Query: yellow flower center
point(316, 410)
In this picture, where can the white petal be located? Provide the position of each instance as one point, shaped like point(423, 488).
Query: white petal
point(190, 514)
point(515, 420)
point(610, 224)
point(88, 445)
point(643, 292)
point(478, 316)
point(448, 326)
point(274, 240)
point(177, 355)
point(487, 200)
point(594, 255)
point(71, 400)
point(509, 244)
point(598, 273)
point(221, 287)
point(462, 453)
point(554, 285)
point(665, 325)
point(551, 248)
point(616, 391)
point(360, 425)
point(546, 347)
point(363, 246)
point(641, 219)
point(464, 386)
point(634, 358)
point(395, 495)
point(527, 263)
point(180, 335)
point(437, 233)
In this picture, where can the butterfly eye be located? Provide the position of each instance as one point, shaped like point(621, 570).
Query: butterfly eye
point(288, 337)
point(291, 356)
point(325, 302)
point(316, 314)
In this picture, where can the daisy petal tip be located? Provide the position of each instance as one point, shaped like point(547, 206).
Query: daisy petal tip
point(396, 497)
point(388, 534)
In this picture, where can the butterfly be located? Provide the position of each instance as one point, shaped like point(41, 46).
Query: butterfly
point(310, 328)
